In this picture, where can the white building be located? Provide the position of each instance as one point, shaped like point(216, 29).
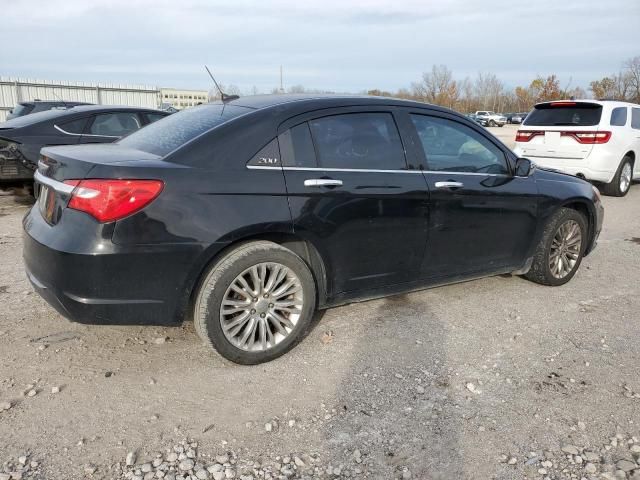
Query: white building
point(180, 99)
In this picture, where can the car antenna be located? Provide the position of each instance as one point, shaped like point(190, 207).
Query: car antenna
point(223, 96)
point(63, 102)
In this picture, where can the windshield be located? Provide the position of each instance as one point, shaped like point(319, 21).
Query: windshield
point(166, 135)
point(565, 114)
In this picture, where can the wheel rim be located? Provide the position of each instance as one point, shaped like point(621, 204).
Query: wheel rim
point(261, 307)
point(565, 249)
point(625, 177)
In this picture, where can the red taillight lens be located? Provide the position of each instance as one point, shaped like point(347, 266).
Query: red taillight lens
point(109, 200)
point(526, 135)
point(563, 104)
point(589, 138)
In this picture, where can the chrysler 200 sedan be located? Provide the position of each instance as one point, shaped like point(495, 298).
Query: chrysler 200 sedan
point(248, 215)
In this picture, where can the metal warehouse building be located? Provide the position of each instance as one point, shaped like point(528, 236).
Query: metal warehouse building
point(14, 90)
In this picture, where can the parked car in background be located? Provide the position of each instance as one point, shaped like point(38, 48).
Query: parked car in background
point(22, 138)
point(475, 118)
point(513, 117)
point(248, 215)
point(35, 106)
point(596, 140)
point(492, 119)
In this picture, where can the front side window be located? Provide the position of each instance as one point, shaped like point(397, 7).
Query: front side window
point(619, 117)
point(116, 124)
point(450, 146)
point(358, 140)
point(635, 118)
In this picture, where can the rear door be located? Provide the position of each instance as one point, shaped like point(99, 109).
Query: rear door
point(108, 127)
point(352, 193)
point(482, 218)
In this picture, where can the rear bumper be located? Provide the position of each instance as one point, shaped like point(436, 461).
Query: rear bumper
point(597, 166)
point(141, 285)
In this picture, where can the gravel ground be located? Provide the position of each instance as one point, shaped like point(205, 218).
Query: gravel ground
point(496, 378)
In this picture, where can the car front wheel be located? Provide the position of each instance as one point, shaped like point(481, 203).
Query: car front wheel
point(561, 248)
point(255, 303)
point(621, 183)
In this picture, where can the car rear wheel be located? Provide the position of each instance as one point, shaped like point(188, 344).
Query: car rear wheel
point(621, 183)
point(255, 303)
point(561, 248)
point(492, 123)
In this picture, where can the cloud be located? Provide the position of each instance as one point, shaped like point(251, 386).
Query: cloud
point(331, 44)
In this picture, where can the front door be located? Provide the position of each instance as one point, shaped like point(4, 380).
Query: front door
point(352, 195)
point(482, 217)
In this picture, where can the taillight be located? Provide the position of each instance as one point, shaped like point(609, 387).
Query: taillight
point(108, 200)
point(526, 135)
point(589, 138)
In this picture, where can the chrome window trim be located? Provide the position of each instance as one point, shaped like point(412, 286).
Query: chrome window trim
point(54, 184)
point(367, 170)
point(85, 134)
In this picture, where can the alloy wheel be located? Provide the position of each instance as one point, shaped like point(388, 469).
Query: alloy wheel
point(625, 177)
point(261, 307)
point(565, 249)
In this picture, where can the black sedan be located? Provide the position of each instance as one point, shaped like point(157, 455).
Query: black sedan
point(249, 215)
point(22, 137)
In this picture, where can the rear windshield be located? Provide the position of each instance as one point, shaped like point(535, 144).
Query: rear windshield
point(23, 109)
point(569, 114)
point(164, 136)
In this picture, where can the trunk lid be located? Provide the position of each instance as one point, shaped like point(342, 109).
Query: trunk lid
point(76, 162)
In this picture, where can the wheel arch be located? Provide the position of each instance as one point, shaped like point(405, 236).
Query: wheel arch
point(298, 245)
point(588, 210)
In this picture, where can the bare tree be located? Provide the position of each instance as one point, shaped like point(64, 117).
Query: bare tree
point(437, 87)
point(632, 74)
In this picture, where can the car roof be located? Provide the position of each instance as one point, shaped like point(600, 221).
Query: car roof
point(319, 101)
point(34, 118)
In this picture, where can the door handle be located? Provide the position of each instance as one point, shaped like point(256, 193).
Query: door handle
point(449, 184)
point(322, 182)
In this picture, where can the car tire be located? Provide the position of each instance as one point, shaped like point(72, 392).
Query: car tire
point(492, 123)
point(621, 183)
point(268, 334)
point(557, 242)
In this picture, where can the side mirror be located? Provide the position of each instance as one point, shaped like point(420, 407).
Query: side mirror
point(523, 167)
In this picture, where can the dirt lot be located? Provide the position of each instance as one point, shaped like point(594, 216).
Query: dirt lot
point(496, 378)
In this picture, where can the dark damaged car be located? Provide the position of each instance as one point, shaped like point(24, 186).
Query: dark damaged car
point(248, 216)
point(22, 138)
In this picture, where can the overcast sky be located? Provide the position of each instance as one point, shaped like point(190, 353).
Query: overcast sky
point(340, 45)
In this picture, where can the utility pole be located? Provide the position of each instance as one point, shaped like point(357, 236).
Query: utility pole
point(281, 87)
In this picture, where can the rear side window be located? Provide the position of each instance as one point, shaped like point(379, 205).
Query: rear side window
point(296, 147)
point(619, 117)
point(114, 124)
point(561, 113)
point(635, 118)
point(358, 140)
point(74, 126)
point(450, 146)
point(161, 138)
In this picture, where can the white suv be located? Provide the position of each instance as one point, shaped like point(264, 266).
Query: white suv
point(595, 140)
